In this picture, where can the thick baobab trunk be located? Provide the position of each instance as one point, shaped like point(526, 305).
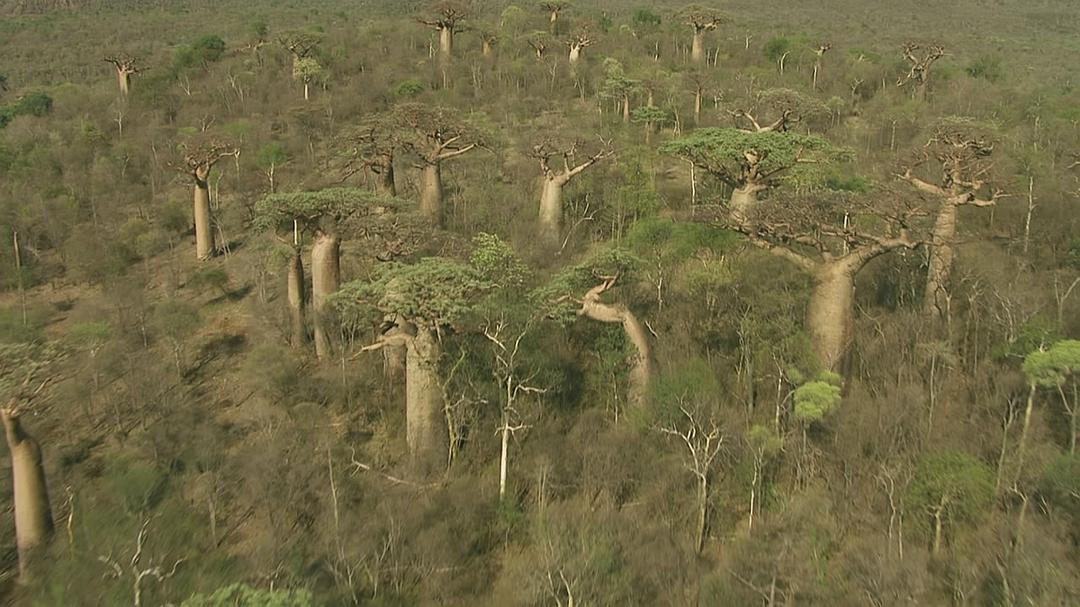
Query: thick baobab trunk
point(830, 313)
point(575, 53)
point(551, 210)
point(384, 178)
point(296, 300)
point(33, 517)
point(325, 279)
point(204, 233)
point(941, 261)
point(486, 49)
point(553, 20)
point(431, 193)
point(641, 369)
point(697, 50)
point(123, 78)
point(742, 203)
point(446, 41)
point(626, 109)
point(426, 432)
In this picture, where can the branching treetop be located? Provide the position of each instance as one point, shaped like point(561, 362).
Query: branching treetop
point(310, 209)
point(563, 156)
point(433, 133)
point(26, 370)
point(124, 64)
point(921, 59)
point(739, 157)
point(369, 144)
point(596, 276)
point(701, 18)
point(299, 44)
point(827, 226)
point(778, 110)
point(449, 14)
point(198, 159)
point(963, 149)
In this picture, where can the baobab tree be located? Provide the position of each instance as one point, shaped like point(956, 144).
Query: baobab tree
point(301, 45)
point(560, 163)
point(778, 110)
point(488, 40)
point(701, 20)
point(449, 15)
point(321, 214)
point(420, 302)
point(198, 162)
point(370, 147)
point(577, 43)
point(699, 83)
point(433, 135)
point(554, 9)
point(618, 87)
point(580, 292)
point(309, 71)
point(126, 67)
point(26, 371)
point(752, 162)
point(804, 231)
point(538, 43)
point(963, 156)
point(921, 60)
point(819, 55)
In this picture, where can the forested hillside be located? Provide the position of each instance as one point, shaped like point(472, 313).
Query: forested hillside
point(539, 303)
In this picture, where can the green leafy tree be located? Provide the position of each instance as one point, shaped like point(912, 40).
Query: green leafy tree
point(242, 595)
point(618, 87)
point(176, 321)
point(270, 158)
point(753, 162)
point(1058, 369)
point(309, 71)
point(947, 491)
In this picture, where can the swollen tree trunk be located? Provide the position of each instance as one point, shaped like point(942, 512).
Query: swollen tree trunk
point(123, 78)
point(626, 109)
point(551, 209)
point(697, 50)
point(431, 193)
point(941, 261)
point(743, 200)
point(426, 432)
point(325, 279)
point(575, 53)
point(641, 369)
point(446, 41)
point(33, 517)
point(296, 300)
point(486, 49)
point(204, 233)
point(830, 314)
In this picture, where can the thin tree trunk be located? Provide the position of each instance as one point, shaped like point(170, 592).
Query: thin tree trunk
point(1024, 428)
point(697, 108)
point(325, 279)
point(426, 432)
point(936, 548)
point(33, 516)
point(504, 458)
point(703, 512)
point(830, 313)
point(295, 289)
point(431, 194)
point(204, 234)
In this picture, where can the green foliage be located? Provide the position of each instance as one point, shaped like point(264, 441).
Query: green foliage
point(775, 48)
point(89, 336)
point(497, 262)
point(276, 211)
point(210, 278)
point(987, 67)
point(135, 485)
point(651, 115)
point(677, 241)
point(1060, 485)
point(1051, 368)
point(814, 400)
point(203, 51)
point(434, 290)
point(721, 151)
point(33, 104)
point(690, 385)
point(617, 84)
point(271, 155)
point(406, 89)
point(175, 319)
point(645, 19)
point(575, 280)
point(957, 484)
point(765, 441)
point(849, 183)
point(309, 71)
point(242, 595)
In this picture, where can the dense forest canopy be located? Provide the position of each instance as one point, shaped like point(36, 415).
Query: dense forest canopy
point(560, 302)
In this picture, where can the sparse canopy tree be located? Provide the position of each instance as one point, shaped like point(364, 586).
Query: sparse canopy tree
point(580, 292)
point(963, 159)
point(819, 55)
point(309, 71)
point(300, 45)
point(422, 301)
point(577, 43)
point(433, 135)
point(198, 162)
point(618, 87)
point(488, 40)
point(25, 373)
point(560, 163)
point(921, 60)
point(449, 15)
point(804, 232)
point(701, 20)
point(270, 158)
point(538, 43)
point(320, 213)
point(1051, 368)
point(370, 147)
point(948, 489)
point(752, 162)
point(787, 108)
point(699, 84)
point(126, 67)
point(554, 9)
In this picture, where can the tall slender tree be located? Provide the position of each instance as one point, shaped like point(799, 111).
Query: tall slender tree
point(198, 161)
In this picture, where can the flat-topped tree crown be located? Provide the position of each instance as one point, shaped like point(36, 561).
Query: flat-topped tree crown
point(317, 210)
